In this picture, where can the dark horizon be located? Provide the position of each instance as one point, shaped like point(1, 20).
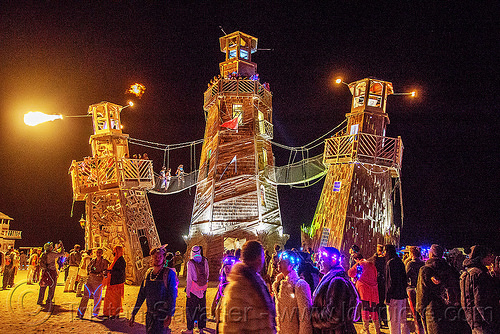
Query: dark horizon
point(62, 57)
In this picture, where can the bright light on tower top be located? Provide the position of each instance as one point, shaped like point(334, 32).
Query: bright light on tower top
point(338, 81)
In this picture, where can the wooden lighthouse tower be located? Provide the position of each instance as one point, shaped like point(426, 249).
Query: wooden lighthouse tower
point(356, 204)
point(114, 190)
point(234, 202)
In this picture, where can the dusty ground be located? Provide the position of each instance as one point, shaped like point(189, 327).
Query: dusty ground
point(20, 314)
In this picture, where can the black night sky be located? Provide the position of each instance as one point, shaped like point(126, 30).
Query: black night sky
point(62, 56)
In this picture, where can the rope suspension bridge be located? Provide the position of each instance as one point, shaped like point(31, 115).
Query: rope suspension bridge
point(300, 171)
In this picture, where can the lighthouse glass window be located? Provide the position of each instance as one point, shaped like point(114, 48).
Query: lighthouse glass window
point(359, 94)
point(375, 96)
point(238, 112)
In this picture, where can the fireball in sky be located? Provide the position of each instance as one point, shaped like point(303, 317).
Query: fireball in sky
point(137, 89)
point(36, 117)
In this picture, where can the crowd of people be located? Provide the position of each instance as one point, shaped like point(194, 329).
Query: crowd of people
point(289, 291)
point(286, 293)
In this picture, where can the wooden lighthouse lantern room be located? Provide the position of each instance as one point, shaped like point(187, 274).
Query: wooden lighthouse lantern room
point(114, 190)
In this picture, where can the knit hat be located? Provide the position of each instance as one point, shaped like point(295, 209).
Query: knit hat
point(479, 252)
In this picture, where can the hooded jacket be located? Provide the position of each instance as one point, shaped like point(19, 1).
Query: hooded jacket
point(480, 296)
point(333, 303)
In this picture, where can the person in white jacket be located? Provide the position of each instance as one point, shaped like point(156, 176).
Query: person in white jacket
point(293, 297)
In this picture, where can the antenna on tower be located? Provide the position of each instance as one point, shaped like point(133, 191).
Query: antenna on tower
point(222, 29)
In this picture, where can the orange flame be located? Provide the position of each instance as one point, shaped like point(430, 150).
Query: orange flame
point(36, 117)
point(137, 89)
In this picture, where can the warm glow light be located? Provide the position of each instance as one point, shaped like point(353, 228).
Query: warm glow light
point(413, 94)
point(36, 117)
point(137, 89)
point(130, 103)
point(338, 81)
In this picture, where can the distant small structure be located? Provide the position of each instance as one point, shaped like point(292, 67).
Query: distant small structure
point(7, 236)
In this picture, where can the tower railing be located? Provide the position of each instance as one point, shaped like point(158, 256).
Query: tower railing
point(365, 148)
point(237, 86)
point(265, 129)
point(93, 174)
point(11, 234)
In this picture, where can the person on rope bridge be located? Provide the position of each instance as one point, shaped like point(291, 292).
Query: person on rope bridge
point(180, 175)
point(165, 176)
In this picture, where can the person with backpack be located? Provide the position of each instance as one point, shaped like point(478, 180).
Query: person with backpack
point(335, 299)
point(293, 297)
point(196, 290)
point(364, 273)
point(480, 291)
point(159, 290)
point(438, 294)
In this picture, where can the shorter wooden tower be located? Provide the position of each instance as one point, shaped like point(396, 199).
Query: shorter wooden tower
point(356, 204)
point(234, 202)
point(114, 190)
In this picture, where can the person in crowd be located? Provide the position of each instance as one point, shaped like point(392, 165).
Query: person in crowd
point(74, 259)
point(247, 305)
point(412, 270)
point(32, 264)
point(115, 287)
point(159, 290)
point(480, 291)
point(335, 298)
point(365, 274)
point(395, 291)
point(307, 271)
point(379, 260)
point(293, 297)
point(8, 269)
point(15, 268)
point(227, 264)
point(93, 288)
point(23, 260)
point(352, 254)
point(178, 261)
point(436, 281)
point(272, 269)
point(49, 272)
point(169, 260)
point(196, 290)
point(82, 272)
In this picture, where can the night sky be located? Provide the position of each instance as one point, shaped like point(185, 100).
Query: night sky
point(62, 56)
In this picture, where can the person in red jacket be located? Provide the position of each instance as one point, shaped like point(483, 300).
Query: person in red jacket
point(365, 274)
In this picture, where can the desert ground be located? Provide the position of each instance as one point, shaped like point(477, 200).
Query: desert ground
point(19, 312)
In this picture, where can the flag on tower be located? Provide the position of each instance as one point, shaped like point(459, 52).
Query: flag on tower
point(232, 124)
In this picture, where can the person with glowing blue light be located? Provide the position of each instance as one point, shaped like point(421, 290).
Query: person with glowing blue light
point(93, 288)
point(292, 295)
point(227, 264)
point(335, 299)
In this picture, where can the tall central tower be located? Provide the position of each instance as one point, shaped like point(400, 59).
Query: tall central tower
point(234, 202)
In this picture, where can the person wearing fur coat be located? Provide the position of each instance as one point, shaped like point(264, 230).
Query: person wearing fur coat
point(293, 297)
point(247, 305)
